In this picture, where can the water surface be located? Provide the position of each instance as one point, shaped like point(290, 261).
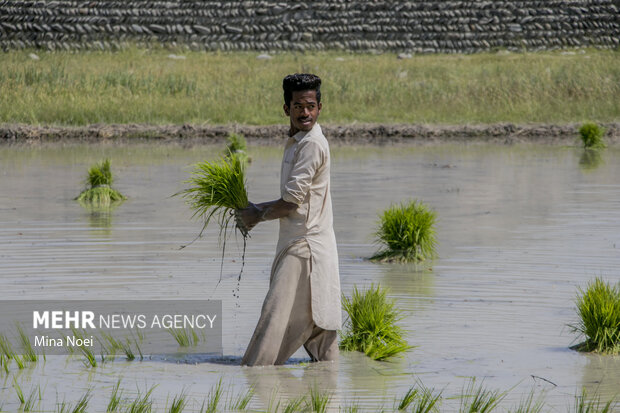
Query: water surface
point(520, 229)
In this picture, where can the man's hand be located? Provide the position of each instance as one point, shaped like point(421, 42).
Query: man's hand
point(247, 218)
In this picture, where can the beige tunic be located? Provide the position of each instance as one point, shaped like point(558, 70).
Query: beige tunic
point(305, 182)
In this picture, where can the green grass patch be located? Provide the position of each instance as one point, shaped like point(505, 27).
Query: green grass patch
point(372, 326)
point(6, 352)
point(479, 399)
point(4, 363)
point(114, 403)
point(598, 308)
point(33, 400)
point(185, 337)
point(19, 392)
point(420, 399)
point(99, 193)
point(145, 86)
point(210, 405)
point(29, 353)
point(142, 403)
point(241, 401)
point(407, 233)
point(294, 405)
point(530, 403)
point(317, 400)
point(90, 360)
point(178, 403)
point(592, 136)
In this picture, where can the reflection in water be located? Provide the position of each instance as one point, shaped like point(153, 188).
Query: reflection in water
point(100, 218)
point(590, 159)
point(411, 280)
point(280, 385)
point(601, 375)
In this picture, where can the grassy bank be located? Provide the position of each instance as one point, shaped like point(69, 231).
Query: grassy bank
point(148, 86)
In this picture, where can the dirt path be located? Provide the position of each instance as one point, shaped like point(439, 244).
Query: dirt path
point(373, 134)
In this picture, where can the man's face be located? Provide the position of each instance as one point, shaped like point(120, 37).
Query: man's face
point(304, 110)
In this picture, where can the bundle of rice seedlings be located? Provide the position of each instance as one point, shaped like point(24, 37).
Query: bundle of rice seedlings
point(218, 190)
point(237, 145)
point(407, 233)
point(371, 325)
point(592, 136)
point(598, 308)
point(100, 194)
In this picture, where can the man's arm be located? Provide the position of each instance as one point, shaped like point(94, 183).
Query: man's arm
point(247, 218)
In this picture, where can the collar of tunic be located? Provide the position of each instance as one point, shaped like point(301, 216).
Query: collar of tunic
point(302, 134)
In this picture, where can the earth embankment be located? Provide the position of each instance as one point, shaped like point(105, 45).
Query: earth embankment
point(373, 134)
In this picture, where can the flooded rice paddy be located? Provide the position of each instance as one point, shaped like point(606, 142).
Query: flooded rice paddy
point(520, 229)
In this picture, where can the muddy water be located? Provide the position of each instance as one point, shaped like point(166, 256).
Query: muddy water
point(520, 229)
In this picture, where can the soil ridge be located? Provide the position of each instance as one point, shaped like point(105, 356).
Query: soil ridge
point(372, 134)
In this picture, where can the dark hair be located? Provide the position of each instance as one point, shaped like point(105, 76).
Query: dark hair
point(299, 82)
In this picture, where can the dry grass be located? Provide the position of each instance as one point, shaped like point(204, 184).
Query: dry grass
point(138, 85)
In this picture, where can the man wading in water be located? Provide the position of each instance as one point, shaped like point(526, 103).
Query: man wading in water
point(302, 306)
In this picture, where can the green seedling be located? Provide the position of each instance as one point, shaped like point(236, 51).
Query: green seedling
point(598, 308)
point(478, 399)
point(178, 403)
point(586, 404)
point(407, 233)
point(115, 398)
point(184, 337)
point(318, 401)
point(99, 193)
point(372, 324)
point(592, 136)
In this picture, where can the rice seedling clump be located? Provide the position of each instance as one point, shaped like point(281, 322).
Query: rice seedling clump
point(218, 188)
point(598, 308)
point(371, 326)
point(100, 193)
point(592, 136)
point(407, 233)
